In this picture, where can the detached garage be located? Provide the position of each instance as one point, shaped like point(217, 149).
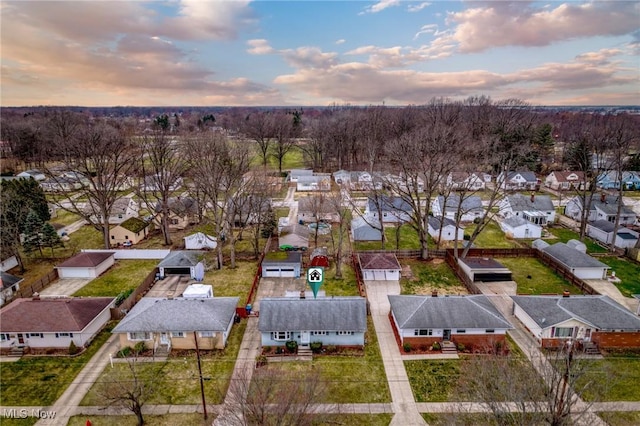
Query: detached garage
point(484, 269)
point(86, 265)
point(379, 266)
point(182, 263)
point(282, 265)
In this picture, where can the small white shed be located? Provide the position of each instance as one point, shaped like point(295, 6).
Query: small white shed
point(199, 241)
point(518, 227)
point(198, 291)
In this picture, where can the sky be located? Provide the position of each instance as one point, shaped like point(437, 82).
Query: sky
point(302, 53)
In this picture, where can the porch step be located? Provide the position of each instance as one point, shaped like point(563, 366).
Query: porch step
point(591, 348)
point(304, 351)
point(16, 352)
point(162, 350)
point(449, 348)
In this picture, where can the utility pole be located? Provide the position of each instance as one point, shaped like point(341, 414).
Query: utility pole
point(204, 404)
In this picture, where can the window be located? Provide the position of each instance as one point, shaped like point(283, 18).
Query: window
point(423, 332)
point(64, 335)
point(280, 335)
point(489, 330)
point(206, 334)
point(563, 332)
point(319, 333)
point(126, 237)
point(177, 334)
point(4, 337)
point(40, 335)
point(461, 331)
point(113, 237)
point(345, 333)
point(140, 335)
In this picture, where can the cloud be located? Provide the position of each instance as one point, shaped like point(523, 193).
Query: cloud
point(397, 56)
point(519, 24)
point(259, 47)
point(380, 6)
point(341, 41)
point(418, 7)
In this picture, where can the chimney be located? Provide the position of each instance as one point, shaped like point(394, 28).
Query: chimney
point(533, 197)
point(566, 293)
point(434, 293)
point(603, 197)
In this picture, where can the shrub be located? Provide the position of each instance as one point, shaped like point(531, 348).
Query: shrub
point(407, 347)
point(261, 360)
point(278, 350)
point(266, 349)
point(123, 296)
point(436, 346)
point(124, 352)
point(292, 346)
point(140, 347)
point(316, 347)
point(73, 349)
point(461, 347)
point(331, 349)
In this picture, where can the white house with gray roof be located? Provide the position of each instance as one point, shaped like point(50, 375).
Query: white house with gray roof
point(552, 320)
point(518, 181)
point(468, 208)
point(602, 230)
point(537, 209)
point(339, 321)
point(444, 229)
point(518, 227)
point(578, 263)
point(393, 209)
point(602, 207)
point(471, 320)
point(164, 324)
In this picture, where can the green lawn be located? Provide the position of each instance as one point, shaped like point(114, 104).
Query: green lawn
point(354, 419)
point(533, 277)
point(621, 418)
point(122, 276)
point(563, 235)
point(433, 380)
point(627, 271)
point(232, 282)
point(346, 286)
point(428, 276)
point(350, 379)
point(163, 420)
point(180, 384)
point(491, 237)
point(29, 421)
point(408, 240)
point(41, 380)
point(622, 373)
point(294, 159)
point(64, 218)
point(282, 212)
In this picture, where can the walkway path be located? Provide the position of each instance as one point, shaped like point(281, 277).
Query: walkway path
point(404, 404)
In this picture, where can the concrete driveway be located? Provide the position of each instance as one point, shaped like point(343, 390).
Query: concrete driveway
point(64, 287)
point(171, 286)
point(277, 287)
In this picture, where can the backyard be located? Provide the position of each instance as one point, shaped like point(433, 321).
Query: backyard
point(124, 275)
point(533, 277)
point(408, 240)
point(491, 237)
point(562, 235)
point(627, 271)
point(232, 282)
point(428, 276)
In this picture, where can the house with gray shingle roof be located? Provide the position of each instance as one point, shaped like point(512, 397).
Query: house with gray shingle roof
point(444, 229)
point(519, 227)
point(602, 230)
point(592, 318)
point(470, 320)
point(468, 208)
point(171, 323)
point(518, 181)
point(9, 284)
point(537, 209)
point(363, 229)
point(394, 209)
point(602, 207)
point(578, 263)
point(339, 321)
point(122, 209)
point(54, 322)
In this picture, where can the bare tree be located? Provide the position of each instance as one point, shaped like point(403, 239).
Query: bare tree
point(161, 166)
point(284, 133)
point(103, 158)
point(133, 386)
point(274, 396)
point(343, 214)
point(259, 126)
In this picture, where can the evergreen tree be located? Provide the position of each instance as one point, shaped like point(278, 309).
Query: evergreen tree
point(50, 237)
point(32, 233)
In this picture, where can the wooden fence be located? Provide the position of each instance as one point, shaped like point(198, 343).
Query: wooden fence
point(121, 310)
point(242, 311)
point(400, 254)
point(28, 290)
point(564, 272)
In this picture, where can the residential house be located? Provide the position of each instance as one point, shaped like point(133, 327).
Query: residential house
point(337, 321)
point(518, 181)
point(554, 320)
point(358, 181)
point(405, 184)
point(603, 207)
point(294, 237)
point(316, 182)
point(129, 232)
point(394, 209)
point(199, 241)
point(263, 182)
point(183, 211)
point(9, 284)
point(468, 208)
point(379, 266)
point(518, 227)
point(180, 262)
point(444, 229)
point(249, 209)
point(32, 173)
point(155, 183)
point(580, 264)
point(536, 209)
point(316, 208)
point(282, 264)
point(484, 269)
point(295, 174)
point(121, 210)
point(366, 229)
point(53, 323)
point(87, 265)
point(8, 263)
point(180, 323)
point(612, 180)
point(472, 321)
point(631, 180)
point(602, 230)
point(60, 184)
point(467, 181)
point(565, 180)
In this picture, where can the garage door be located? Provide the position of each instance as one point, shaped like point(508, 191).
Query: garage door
point(177, 271)
point(287, 272)
point(492, 277)
point(379, 275)
point(279, 272)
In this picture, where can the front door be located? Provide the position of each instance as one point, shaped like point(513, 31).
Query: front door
point(164, 339)
point(20, 338)
point(305, 338)
point(446, 335)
